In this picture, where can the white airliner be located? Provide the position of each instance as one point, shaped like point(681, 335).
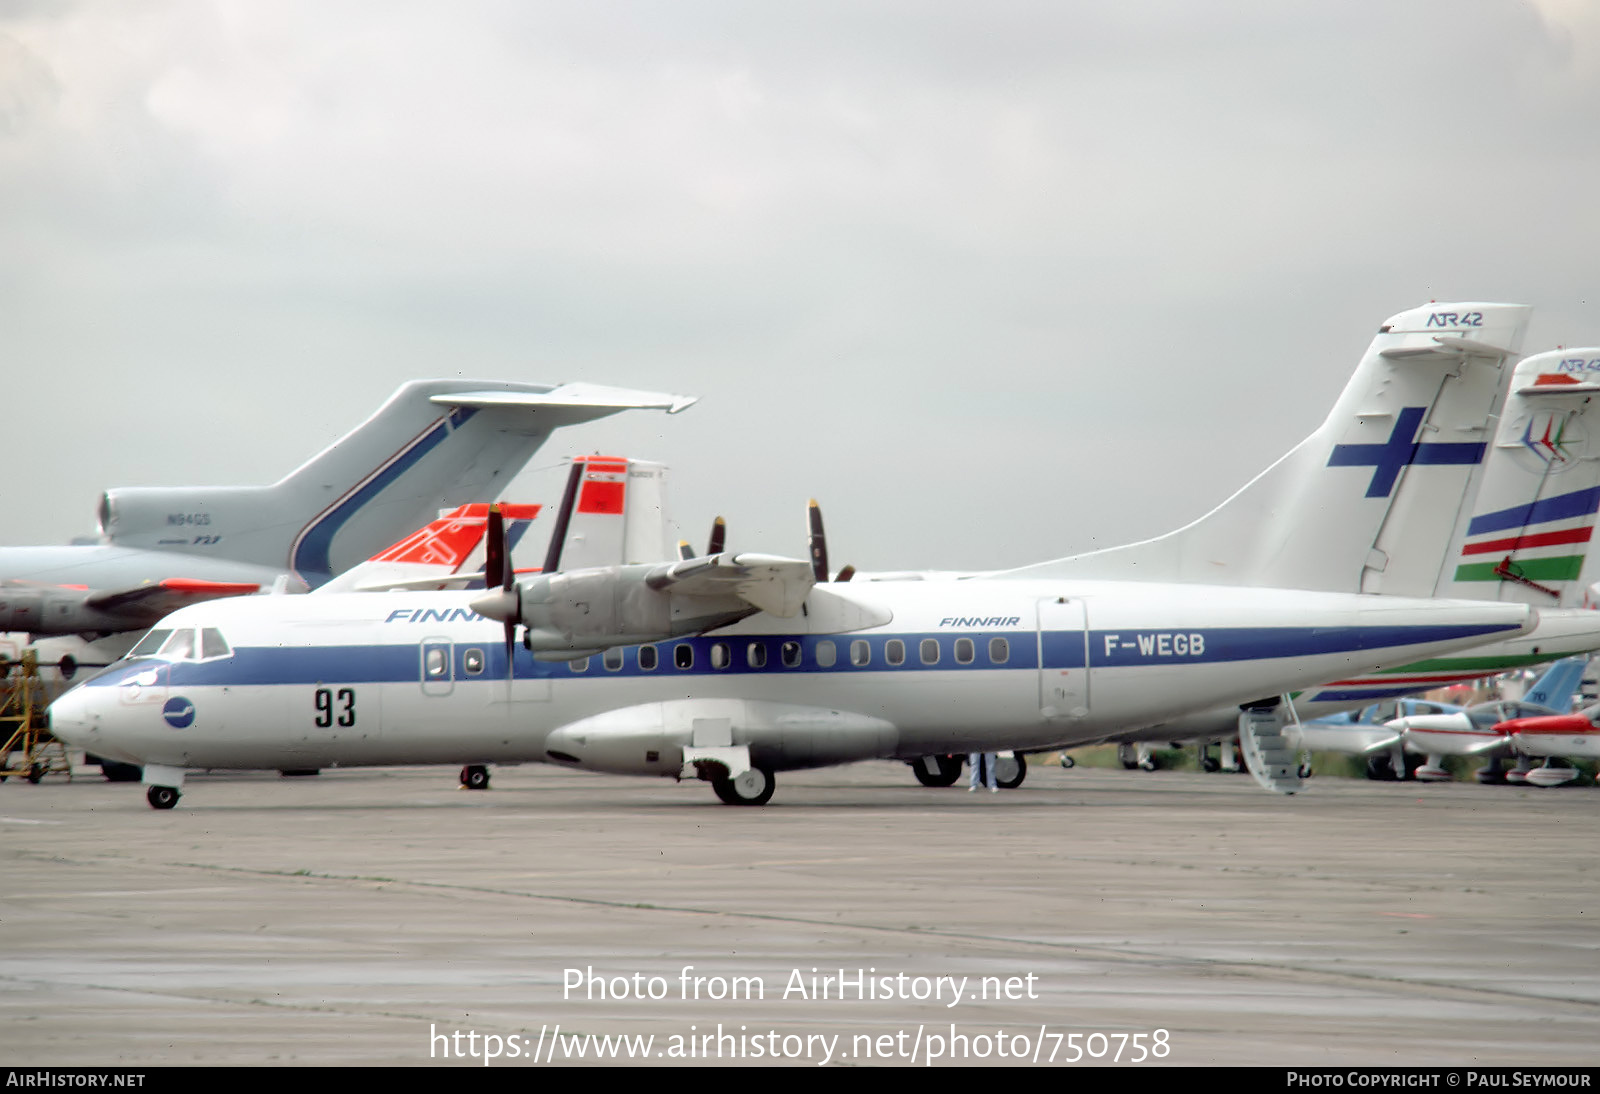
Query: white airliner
point(433, 445)
point(732, 667)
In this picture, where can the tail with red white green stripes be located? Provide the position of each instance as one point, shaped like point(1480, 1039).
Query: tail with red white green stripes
point(1528, 536)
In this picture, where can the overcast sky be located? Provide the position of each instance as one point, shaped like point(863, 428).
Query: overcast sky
point(994, 282)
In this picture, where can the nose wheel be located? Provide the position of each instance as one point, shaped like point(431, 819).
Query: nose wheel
point(475, 777)
point(161, 797)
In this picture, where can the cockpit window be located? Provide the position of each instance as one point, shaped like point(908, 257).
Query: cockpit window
point(150, 643)
point(182, 644)
point(179, 647)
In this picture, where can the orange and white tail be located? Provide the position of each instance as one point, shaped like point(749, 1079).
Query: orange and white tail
point(612, 514)
point(446, 554)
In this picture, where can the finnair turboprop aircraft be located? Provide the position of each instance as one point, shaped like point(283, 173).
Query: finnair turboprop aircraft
point(1425, 526)
point(433, 445)
point(732, 667)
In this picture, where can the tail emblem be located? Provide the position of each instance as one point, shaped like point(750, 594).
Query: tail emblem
point(1553, 438)
point(1401, 450)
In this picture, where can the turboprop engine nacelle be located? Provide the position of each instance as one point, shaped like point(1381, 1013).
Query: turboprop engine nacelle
point(650, 739)
point(49, 610)
point(577, 612)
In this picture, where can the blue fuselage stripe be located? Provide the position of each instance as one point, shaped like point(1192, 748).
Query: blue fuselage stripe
point(395, 663)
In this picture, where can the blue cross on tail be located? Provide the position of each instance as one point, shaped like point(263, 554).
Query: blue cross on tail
point(1388, 459)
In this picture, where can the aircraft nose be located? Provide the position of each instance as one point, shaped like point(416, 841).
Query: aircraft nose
point(71, 720)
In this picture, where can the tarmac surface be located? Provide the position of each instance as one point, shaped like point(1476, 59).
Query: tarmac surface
point(364, 917)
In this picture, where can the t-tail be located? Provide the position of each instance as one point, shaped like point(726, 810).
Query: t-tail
point(1530, 529)
point(613, 513)
point(434, 445)
point(1559, 684)
point(448, 553)
point(1368, 502)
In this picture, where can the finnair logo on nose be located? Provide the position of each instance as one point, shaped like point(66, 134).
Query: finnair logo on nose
point(178, 712)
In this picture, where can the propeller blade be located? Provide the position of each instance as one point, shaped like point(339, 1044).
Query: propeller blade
point(494, 548)
point(685, 552)
point(846, 574)
point(497, 567)
point(819, 543)
point(719, 537)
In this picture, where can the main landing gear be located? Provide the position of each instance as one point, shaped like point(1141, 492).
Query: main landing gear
point(754, 787)
point(1010, 769)
point(162, 797)
point(937, 770)
point(475, 777)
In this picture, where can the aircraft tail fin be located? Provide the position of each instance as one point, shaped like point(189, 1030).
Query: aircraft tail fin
point(1369, 501)
point(1560, 682)
point(435, 444)
point(613, 513)
point(446, 554)
point(1528, 534)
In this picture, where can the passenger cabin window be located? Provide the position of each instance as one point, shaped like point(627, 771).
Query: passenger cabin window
point(580, 665)
point(612, 659)
point(999, 651)
point(721, 658)
point(791, 654)
point(434, 664)
point(755, 655)
point(472, 662)
point(965, 651)
point(647, 658)
point(929, 651)
point(827, 653)
point(894, 651)
point(683, 655)
point(860, 652)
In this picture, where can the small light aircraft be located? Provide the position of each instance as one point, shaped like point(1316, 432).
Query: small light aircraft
point(731, 666)
point(1477, 731)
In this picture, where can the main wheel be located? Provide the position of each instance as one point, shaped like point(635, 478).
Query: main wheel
point(1379, 768)
point(475, 777)
point(161, 797)
point(1009, 771)
point(1210, 764)
point(1067, 761)
point(754, 787)
point(1128, 757)
point(947, 769)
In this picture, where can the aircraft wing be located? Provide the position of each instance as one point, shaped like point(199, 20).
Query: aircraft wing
point(775, 585)
point(153, 600)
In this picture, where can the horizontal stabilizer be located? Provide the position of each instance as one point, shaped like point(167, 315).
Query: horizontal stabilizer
point(573, 396)
point(775, 585)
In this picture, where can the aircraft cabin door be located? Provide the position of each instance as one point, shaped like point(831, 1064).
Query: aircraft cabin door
point(438, 666)
point(1063, 659)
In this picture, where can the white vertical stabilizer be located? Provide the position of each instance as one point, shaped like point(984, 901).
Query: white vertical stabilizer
point(1368, 502)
